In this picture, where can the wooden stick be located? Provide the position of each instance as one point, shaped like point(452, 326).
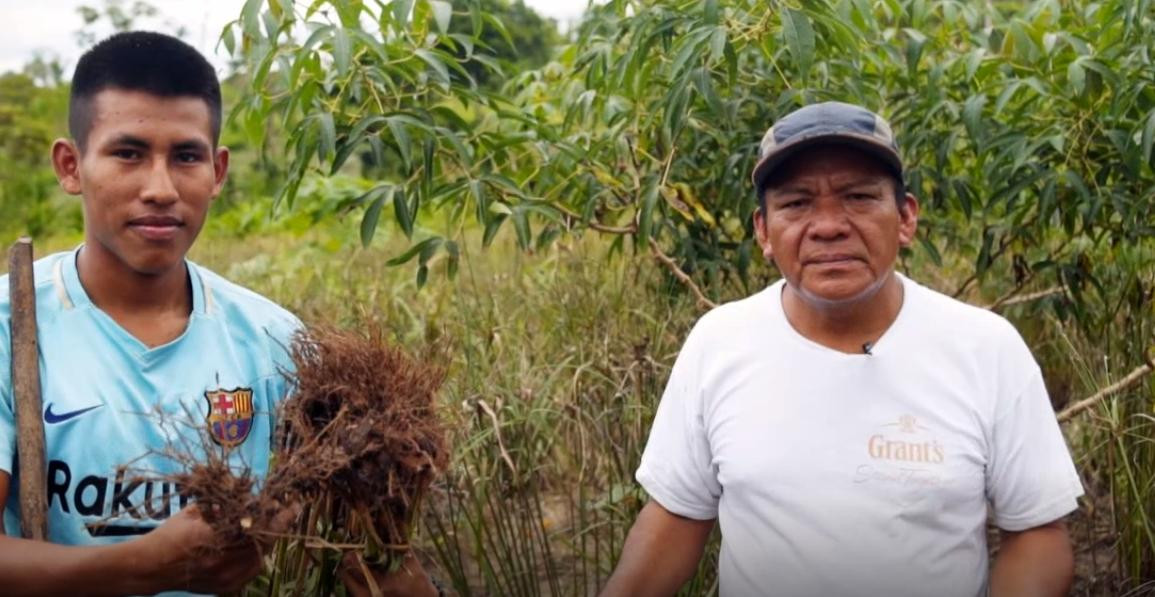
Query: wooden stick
point(26, 393)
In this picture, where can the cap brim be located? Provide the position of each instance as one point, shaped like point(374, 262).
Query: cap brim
point(866, 143)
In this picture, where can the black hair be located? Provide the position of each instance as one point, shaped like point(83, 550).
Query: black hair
point(154, 63)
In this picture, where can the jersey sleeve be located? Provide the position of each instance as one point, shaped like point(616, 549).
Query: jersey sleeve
point(1031, 479)
point(676, 468)
point(7, 414)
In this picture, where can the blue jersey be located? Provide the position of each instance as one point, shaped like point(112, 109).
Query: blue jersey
point(116, 411)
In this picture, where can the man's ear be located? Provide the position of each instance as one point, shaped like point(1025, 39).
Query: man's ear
point(908, 220)
point(760, 234)
point(66, 162)
point(220, 169)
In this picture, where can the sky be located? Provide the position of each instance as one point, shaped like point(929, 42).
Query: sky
point(48, 26)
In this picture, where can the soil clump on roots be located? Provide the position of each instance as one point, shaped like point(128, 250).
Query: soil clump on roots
point(358, 443)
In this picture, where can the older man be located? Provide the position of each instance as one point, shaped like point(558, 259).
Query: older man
point(846, 427)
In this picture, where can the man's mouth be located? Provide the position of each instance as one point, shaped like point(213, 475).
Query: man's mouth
point(156, 227)
point(831, 259)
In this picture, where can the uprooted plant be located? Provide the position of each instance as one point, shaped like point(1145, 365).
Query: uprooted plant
point(358, 443)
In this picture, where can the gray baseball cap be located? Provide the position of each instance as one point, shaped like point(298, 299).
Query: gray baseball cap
point(826, 123)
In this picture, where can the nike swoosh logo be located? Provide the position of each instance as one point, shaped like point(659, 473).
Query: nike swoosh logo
point(52, 418)
point(113, 530)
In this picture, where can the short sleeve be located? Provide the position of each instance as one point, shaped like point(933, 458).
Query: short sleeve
point(676, 468)
point(1031, 479)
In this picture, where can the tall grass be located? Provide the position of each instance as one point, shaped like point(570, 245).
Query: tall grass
point(557, 361)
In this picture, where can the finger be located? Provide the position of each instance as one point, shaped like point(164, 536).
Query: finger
point(191, 510)
point(285, 518)
point(235, 571)
point(352, 575)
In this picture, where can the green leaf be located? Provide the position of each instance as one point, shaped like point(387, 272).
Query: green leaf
point(930, 249)
point(521, 226)
point(382, 195)
point(429, 250)
point(799, 39)
point(458, 145)
point(705, 87)
point(442, 13)
point(271, 25)
point(412, 252)
point(974, 60)
point(401, 138)
point(491, 230)
point(328, 136)
point(341, 51)
point(1077, 76)
point(403, 215)
point(402, 10)
point(435, 63)
point(688, 50)
point(1148, 139)
point(717, 44)
point(646, 215)
point(251, 18)
point(229, 39)
point(354, 138)
point(498, 26)
point(972, 116)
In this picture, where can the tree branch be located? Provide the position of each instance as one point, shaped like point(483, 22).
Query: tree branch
point(681, 275)
point(1012, 299)
point(596, 225)
point(1130, 380)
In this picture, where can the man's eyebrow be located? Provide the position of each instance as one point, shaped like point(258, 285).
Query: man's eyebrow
point(861, 182)
point(130, 141)
point(191, 144)
point(791, 189)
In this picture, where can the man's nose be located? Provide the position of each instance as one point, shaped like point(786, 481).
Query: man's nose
point(828, 218)
point(159, 186)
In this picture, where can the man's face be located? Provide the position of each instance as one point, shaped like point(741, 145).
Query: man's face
point(147, 176)
point(832, 225)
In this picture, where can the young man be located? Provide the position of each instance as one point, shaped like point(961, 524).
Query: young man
point(846, 427)
point(142, 351)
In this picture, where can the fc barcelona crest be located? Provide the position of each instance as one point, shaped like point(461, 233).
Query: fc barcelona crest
point(230, 415)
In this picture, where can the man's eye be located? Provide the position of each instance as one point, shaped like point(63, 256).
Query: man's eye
point(188, 157)
point(795, 204)
point(126, 154)
point(862, 196)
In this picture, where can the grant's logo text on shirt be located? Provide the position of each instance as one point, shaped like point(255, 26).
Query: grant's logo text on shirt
point(899, 452)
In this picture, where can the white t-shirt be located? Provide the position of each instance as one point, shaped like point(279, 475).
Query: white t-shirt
point(836, 474)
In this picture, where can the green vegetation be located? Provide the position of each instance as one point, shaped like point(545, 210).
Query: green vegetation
point(532, 201)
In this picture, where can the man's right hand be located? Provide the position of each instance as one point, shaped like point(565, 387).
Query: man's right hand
point(184, 554)
point(181, 554)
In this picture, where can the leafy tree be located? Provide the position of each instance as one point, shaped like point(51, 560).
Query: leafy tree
point(119, 16)
point(518, 38)
point(31, 116)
